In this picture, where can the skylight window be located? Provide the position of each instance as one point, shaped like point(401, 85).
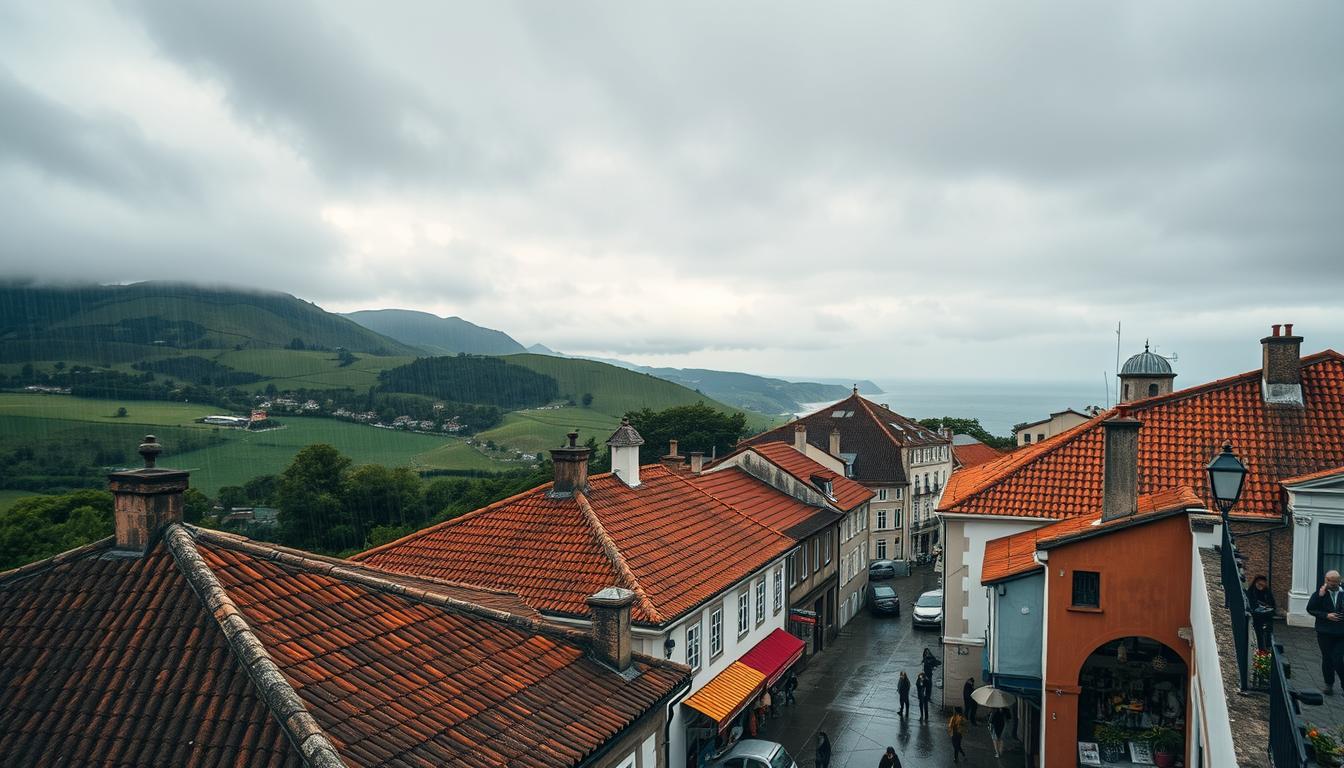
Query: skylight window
point(841, 414)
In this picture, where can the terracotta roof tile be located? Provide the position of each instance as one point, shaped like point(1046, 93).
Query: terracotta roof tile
point(1327, 472)
point(847, 494)
point(680, 545)
point(1014, 555)
point(975, 454)
point(1180, 434)
point(765, 504)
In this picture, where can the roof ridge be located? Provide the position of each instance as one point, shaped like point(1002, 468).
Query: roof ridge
point(382, 580)
point(359, 556)
point(831, 500)
point(59, 558)
point(613, 554)
point(275, 689)
point(1315, 358)
point(881, 424)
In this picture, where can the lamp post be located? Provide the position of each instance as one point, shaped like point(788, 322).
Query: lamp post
point(1226, 476)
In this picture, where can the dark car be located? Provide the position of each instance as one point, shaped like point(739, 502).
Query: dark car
point(882, 599)
point(880, 570)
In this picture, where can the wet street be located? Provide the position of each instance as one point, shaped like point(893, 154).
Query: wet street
point(849, 691)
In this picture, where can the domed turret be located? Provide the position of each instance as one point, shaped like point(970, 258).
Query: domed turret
point(1146, 374)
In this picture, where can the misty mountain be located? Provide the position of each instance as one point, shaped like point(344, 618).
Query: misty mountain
point(437, 335)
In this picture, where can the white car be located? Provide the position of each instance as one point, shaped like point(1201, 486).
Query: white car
point(755, 753)
point(928, 610)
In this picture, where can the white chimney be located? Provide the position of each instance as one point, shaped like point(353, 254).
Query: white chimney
point(800, 437)
point(624, 444)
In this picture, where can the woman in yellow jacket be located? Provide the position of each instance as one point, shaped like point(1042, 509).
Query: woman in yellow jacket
point(956, 728)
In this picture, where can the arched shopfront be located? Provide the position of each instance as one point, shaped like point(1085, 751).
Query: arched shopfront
point(1127, 688)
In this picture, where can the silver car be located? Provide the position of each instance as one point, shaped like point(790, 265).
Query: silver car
point(755, 753)
point(928, 610)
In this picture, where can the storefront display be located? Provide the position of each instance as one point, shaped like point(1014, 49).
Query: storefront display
point(1131, 689)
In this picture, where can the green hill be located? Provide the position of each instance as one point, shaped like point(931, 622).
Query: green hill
point(751, 392)
point(109, 324)
point(436, 335)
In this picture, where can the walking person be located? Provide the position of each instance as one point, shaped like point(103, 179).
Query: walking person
point(823, 750)
point(1262, 607)
point(997, 722)
point(889, 759)
point(956, 729)
point(903, 693)
point(968, 701)
point(1327, 605)
point(929, 661)
point(923, 692)
point(790, 685)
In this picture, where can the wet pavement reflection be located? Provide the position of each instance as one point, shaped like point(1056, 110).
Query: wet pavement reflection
point(849, 691)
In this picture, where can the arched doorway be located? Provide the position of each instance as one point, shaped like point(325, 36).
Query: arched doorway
point(1133, 690)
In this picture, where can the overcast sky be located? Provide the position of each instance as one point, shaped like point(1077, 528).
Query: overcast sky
point(849, 189)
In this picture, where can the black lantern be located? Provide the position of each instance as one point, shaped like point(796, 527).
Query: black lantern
point(1226, 476)
point(668, 645)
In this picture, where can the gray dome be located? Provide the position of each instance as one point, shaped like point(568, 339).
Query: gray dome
point(1146, 364)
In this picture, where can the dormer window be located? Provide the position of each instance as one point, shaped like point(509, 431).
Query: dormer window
point(823, 484)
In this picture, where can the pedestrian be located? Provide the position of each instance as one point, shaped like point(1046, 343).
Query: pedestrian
point(968, 701)
point(774, 701)
point(889, 759)
point(997, 721)
point(823, 750)
point(1262, 607)
point(767, 704)
point(790, 685)
point(923, 692)
point(903, 692)
point(929, 661)
point(956, 728)
point(1327, 605)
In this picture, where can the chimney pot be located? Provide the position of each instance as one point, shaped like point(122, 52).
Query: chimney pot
point(697, 462)
point(672, 448)
point(623, 446)
point(571, 467)
point(145, 500)
point(1287, 329)
point(1276, 328)
point(611, 626)
point(1120, 466)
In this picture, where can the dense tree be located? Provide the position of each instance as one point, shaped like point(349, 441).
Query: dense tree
point(309, 496)
point(696, 428)
point(195, 505)
point(232, 497)
point(260, 490)
point(970, 427)
point(41, 526)
point(376, 495)
point(472, 379)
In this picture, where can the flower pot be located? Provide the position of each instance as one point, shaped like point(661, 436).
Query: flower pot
point(1114, 753)
point(1164, 759)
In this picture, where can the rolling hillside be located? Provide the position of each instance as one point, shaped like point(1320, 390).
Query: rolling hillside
point(755, 393)
point(109, 324)
point(436, 335)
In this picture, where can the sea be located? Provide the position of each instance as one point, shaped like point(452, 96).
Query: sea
point(998, 405)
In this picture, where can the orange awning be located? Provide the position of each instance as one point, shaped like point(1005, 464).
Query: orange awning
point(722, 698)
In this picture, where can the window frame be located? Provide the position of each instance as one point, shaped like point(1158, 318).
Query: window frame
point(743, 612)
point(881, 494)
point(1080, 581)
point(881, 520)
point(827, 546)
point(881, 549)
point(779, 590)
point(760, 601)
point(716, 632)
point(694, 639)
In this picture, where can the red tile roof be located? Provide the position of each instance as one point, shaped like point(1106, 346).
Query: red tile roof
point(875, 435)
point(670, 542)
point(1181, 431)
point(1014, 555)
point(763, 503)
point(215, 650)
point(975, 454)
point(1327, 472)
point(847, 494)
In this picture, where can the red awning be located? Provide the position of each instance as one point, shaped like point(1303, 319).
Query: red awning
point(774, 655)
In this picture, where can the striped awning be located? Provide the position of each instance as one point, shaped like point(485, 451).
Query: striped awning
point(724, 697)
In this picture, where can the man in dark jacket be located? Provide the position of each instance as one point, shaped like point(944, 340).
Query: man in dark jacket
point(969, 701)
point(923, 692)
point(1327, 605)
point(903, 693)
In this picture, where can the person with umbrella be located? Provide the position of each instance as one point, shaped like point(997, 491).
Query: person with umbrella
point(997, 720)
point(999, 701)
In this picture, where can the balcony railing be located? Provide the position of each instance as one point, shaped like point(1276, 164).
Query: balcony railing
point(1287, 741)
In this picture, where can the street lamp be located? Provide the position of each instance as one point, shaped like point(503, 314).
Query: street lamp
point(1226, 475)
point(668, 645)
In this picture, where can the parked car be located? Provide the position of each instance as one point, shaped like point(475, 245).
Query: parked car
point(882, 599)
point(880, 570)
point(755, 753)
point(928, 610)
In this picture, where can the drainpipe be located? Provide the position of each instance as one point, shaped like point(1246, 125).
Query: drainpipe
point(1040, 558)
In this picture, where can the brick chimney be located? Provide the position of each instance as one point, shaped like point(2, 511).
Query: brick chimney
point(611, 626)
point(571, 468)
point(697, 462)
point(673, 460)
point(146, 500)
point(1120, 472)
point(834, 445)
point(624, 447)
point(800, 437)
point(1281, 367)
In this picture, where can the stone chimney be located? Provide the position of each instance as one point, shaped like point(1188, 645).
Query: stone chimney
point(673, 460)
point(571, 468)
point(611, 626)
point(146, 500)
point(834, 445)
point(800, 437)
point(697, 462)
point(1120, 470)
point(1281, 367)
point(624, 445)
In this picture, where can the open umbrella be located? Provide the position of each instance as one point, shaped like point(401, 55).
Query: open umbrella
point(989, 696)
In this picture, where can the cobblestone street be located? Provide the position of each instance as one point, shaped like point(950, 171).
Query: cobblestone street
point(849, 691)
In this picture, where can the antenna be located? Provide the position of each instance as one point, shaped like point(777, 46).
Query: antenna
point(1117, 368)
point(1106, 385)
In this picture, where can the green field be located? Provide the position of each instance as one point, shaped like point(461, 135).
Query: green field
point(288, 369)
point(532, 431)
point(244, 455)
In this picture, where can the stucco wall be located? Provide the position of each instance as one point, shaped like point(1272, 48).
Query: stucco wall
point(1015, 643)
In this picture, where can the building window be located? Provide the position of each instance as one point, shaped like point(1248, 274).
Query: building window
point(1040, 436)
point(693, 644)
point(716, 632)
point(863, 520)
point(881, 549)
point(896, 523)
point(898, 493)
point(779, 589)
point(881, 519)
point(793, 567)
point(1086, 589)
point(881, 494)
point(816, 555)
point(1026, 437)
point(743, 613)
point(1152, 390)
point(827, 547)
point(760, 601)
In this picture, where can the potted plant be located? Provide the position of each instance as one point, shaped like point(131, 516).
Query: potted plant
point(1111, 739)
point(1166, 744)
point(1260, 664)
point(1324, 745)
